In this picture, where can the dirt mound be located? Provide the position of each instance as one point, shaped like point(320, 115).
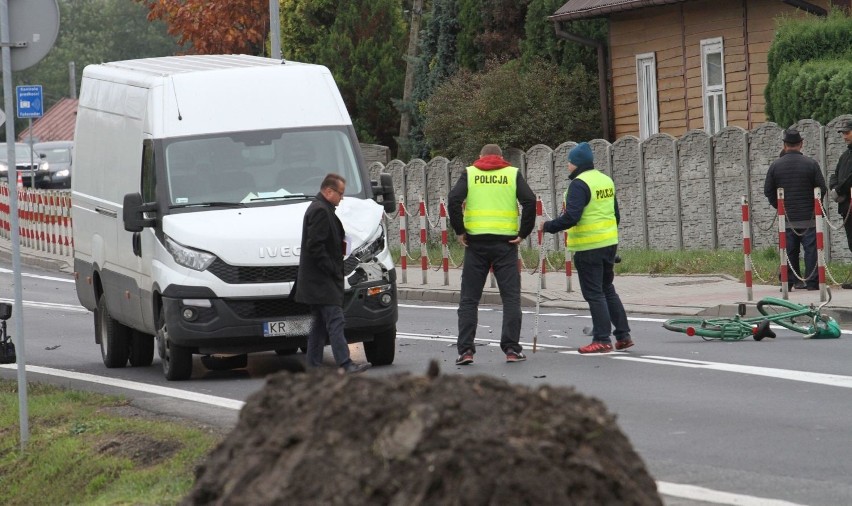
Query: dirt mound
point(322, 438)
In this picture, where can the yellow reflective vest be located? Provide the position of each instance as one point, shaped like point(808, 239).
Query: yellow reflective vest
point(597, 227)
point(491, 205)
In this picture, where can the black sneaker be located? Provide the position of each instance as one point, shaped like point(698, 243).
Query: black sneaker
point(465, 358)
point(353, 367)
point(515, 356)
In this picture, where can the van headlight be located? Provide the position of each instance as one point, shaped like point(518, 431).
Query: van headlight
point(368, 251)
point(188, 257)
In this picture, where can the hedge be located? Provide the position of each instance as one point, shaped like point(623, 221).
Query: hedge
point(819, 89)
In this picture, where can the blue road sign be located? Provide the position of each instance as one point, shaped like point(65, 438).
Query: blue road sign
point(30, 103)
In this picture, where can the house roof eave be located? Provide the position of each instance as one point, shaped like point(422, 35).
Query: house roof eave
point(596, 9)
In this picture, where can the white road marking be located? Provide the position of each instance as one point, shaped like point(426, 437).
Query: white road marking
point(37, 276)
point(715, 496)
point(479, 340)
point(832, 380)
point(221, 402)
point(49, 305)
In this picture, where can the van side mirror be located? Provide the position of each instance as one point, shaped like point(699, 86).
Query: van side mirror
point(133, 213)
point(384, 187)
point(5, 311)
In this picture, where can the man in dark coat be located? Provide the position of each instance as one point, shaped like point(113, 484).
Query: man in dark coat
point(841, 182)
point(798, 175)
point(320, 279)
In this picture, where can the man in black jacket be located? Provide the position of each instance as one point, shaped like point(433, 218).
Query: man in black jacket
point(320, 279)
point(841, 183)
point(487, 226)
point(798, 175)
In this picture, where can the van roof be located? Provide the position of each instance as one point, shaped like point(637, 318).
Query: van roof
point(170, 65)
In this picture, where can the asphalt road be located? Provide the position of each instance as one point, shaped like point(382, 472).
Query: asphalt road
point(716, 422)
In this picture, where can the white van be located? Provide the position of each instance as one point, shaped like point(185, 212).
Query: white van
point(192, 175)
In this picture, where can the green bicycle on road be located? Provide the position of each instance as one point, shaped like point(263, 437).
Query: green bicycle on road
point(807, 320)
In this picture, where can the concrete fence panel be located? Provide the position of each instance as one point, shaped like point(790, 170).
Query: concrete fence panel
point(730, 177)
point(697, 191)
point(764, 148)
point(630, 192)
point(662, 191)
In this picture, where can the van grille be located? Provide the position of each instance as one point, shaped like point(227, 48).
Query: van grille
point(237, 274)
point(267, 308)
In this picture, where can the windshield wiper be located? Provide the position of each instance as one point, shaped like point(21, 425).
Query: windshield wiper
point(274, 197)
point(208, 204)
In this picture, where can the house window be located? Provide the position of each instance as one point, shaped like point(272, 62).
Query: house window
point(713, 84)
point(646, 90)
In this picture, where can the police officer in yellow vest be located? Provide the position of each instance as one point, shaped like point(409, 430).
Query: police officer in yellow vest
point(591, 218)
point(483, 209)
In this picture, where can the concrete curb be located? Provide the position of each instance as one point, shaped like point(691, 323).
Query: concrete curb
point(34, 260)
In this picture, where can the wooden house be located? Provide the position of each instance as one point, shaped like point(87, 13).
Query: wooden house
point(679, 65)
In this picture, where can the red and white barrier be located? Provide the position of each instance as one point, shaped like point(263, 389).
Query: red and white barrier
point(539, 225)
point(403, 249)
point(782, 242)
point(445, 249)
point(44, 219)
point(820, 243)
point(747, 249)
point(424, 253)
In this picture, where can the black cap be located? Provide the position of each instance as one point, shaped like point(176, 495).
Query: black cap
point(845, 126)
point(792, 136)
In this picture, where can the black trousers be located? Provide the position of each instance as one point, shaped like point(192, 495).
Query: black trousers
point(479, 258)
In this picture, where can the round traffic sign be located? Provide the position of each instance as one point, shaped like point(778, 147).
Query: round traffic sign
point(35, 22)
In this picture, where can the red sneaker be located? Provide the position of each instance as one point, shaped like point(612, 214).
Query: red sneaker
point(596, 347)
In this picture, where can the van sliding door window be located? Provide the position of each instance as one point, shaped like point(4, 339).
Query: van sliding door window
point(149, 176)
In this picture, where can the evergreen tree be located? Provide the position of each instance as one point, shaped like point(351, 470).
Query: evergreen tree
point(362, 42)
point(438, 60)
point(540, 39)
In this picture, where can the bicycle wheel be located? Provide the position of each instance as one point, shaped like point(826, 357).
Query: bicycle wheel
point(723, 328)
point(788, 314)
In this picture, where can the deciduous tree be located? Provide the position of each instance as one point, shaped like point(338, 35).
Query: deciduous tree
point(215, 26)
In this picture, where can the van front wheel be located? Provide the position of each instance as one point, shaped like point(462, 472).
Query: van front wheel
point(112, 335)
point(177, 360)
point(381, 350)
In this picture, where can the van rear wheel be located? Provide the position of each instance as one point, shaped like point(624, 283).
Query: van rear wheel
point(177, 360)
point(114, 337)
point(381, 350)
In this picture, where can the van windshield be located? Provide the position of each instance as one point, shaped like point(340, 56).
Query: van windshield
point(258, 166)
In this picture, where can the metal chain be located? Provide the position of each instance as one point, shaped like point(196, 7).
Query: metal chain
point(754, 270)
point(827, 220)
point(787, 261)
point(771, 225)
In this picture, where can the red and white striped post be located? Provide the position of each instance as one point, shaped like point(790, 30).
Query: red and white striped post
point(820, 243)
point(424, 254)
point(4, 210)
point(445, 249)
point(568, 287)
point(403, 249)
point(747, 249)
point(782, 243)
point(539, 213)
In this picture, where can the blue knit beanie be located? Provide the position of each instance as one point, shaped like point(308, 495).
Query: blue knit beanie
point(581, 156)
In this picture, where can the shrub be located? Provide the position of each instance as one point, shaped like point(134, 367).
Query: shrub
point(508, 106)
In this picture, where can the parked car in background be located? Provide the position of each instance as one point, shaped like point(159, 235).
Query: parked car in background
point(57, 156)
point(28, 163)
